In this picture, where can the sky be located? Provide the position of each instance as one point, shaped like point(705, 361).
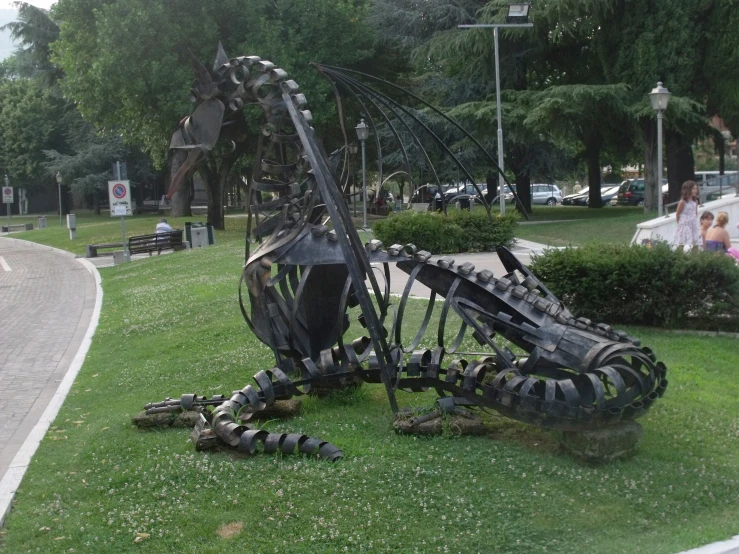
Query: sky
point(7, 14)
point(8, 4)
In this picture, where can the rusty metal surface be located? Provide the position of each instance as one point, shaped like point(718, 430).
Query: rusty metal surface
point(305, 276)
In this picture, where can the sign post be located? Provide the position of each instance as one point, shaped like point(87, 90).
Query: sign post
point(119, 196)
point(8, 200)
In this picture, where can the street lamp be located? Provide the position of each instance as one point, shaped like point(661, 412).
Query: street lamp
point(59, 186)
point(518, 16)
point(363, 135)
point(7, 184)
point(659, 97)
point(353, 152)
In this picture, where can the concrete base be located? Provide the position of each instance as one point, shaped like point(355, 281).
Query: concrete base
point(118, 257)
point(281, 409)
point(457, 425)
point(613, 442)
point(168, 419)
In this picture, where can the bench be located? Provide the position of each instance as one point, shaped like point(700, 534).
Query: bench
point(155, 243)
point(91, 250)
point(148, 206)
point(17, 227)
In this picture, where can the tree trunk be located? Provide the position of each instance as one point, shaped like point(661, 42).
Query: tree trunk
point(523, 190)
point(518, 162)
point(96, 201)
point(649, 132)
point(720, 145)
point(181, 200)
point(680, 165)
point(592, 155)
point(213, 189)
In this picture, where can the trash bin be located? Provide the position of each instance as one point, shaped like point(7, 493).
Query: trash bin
point(199, 237)
point(42, 222)
point(189, 227)
point(72, 226)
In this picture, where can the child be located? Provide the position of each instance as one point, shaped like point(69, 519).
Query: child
point(717, 238)
point(688, 230)
point(706, 222)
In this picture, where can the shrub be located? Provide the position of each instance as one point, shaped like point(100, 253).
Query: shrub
point(483, 234)
point(461, 231)
point(644, 285)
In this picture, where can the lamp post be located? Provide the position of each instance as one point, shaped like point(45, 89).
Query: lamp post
point(518, 15)
point(353, 152)
point(7, 184)
point(363, 135)
point(659, 97)
point(59, 186)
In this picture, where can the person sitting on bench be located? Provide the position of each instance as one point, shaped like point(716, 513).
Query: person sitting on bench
point(164, 227)
point(717, 238)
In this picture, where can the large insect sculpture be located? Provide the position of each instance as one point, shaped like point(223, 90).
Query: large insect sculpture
point(311, 268)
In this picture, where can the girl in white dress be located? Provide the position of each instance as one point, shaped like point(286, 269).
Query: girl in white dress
point(688, 228)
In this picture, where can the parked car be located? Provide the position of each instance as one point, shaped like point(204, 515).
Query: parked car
point(631, 192)
point(546, 194)
point(465, 193)
point(549, 195)
point(509, 194)
point(606, 194)
point(570, 199)
point(423, 194)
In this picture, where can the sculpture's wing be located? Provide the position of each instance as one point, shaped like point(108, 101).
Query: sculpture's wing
point(221, 57)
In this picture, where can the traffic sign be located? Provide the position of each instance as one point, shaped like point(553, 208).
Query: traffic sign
point(119, 196)
point(7, 195)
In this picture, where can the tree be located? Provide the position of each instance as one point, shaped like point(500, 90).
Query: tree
point(128, 62)
point(88, 168)
point(34, 32)
point(596, 116)
point(30, 119)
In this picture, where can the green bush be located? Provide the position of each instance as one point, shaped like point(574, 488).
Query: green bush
point(644, 285)
point(460, 231)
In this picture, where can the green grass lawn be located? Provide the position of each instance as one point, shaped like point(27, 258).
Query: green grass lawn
point(579, 226)
point(582, 225)
point(171, 325)
point(101, 229)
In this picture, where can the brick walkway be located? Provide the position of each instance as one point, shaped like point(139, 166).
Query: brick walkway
point(47, 300)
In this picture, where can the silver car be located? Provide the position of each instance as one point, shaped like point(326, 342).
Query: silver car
point(546, 194)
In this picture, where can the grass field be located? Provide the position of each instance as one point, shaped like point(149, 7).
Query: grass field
point(171, 325)
point(578, 226)
point(100, 229)
point(581, 225)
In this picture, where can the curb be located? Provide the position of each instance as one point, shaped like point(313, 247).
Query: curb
point(13, 477)
point(730, 546)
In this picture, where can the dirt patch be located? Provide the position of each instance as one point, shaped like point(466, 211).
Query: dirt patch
point(230, 530)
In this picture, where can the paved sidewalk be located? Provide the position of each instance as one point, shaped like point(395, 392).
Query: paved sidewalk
point(523, 250)
point(48, 300)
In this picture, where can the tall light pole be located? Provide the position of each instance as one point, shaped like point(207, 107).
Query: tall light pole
point(518, 15)
point(7, 184)
point(363, 135)
point(353, 152)
point(659, 97)
point(59, 186)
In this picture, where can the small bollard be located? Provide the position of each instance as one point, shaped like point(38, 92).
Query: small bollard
point(42, 222)
point(119, 257)
point(72, 226)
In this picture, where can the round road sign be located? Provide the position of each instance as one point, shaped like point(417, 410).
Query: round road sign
point(119, 191)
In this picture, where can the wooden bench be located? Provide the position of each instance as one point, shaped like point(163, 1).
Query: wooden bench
point(91, 250)
point(155, 243)
point(148, 206)
point(17, 227)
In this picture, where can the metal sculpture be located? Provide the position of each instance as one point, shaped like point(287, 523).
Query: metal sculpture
point(304, 277)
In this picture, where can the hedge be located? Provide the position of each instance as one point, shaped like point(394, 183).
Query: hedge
point(460, 231)
point(644, 285)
